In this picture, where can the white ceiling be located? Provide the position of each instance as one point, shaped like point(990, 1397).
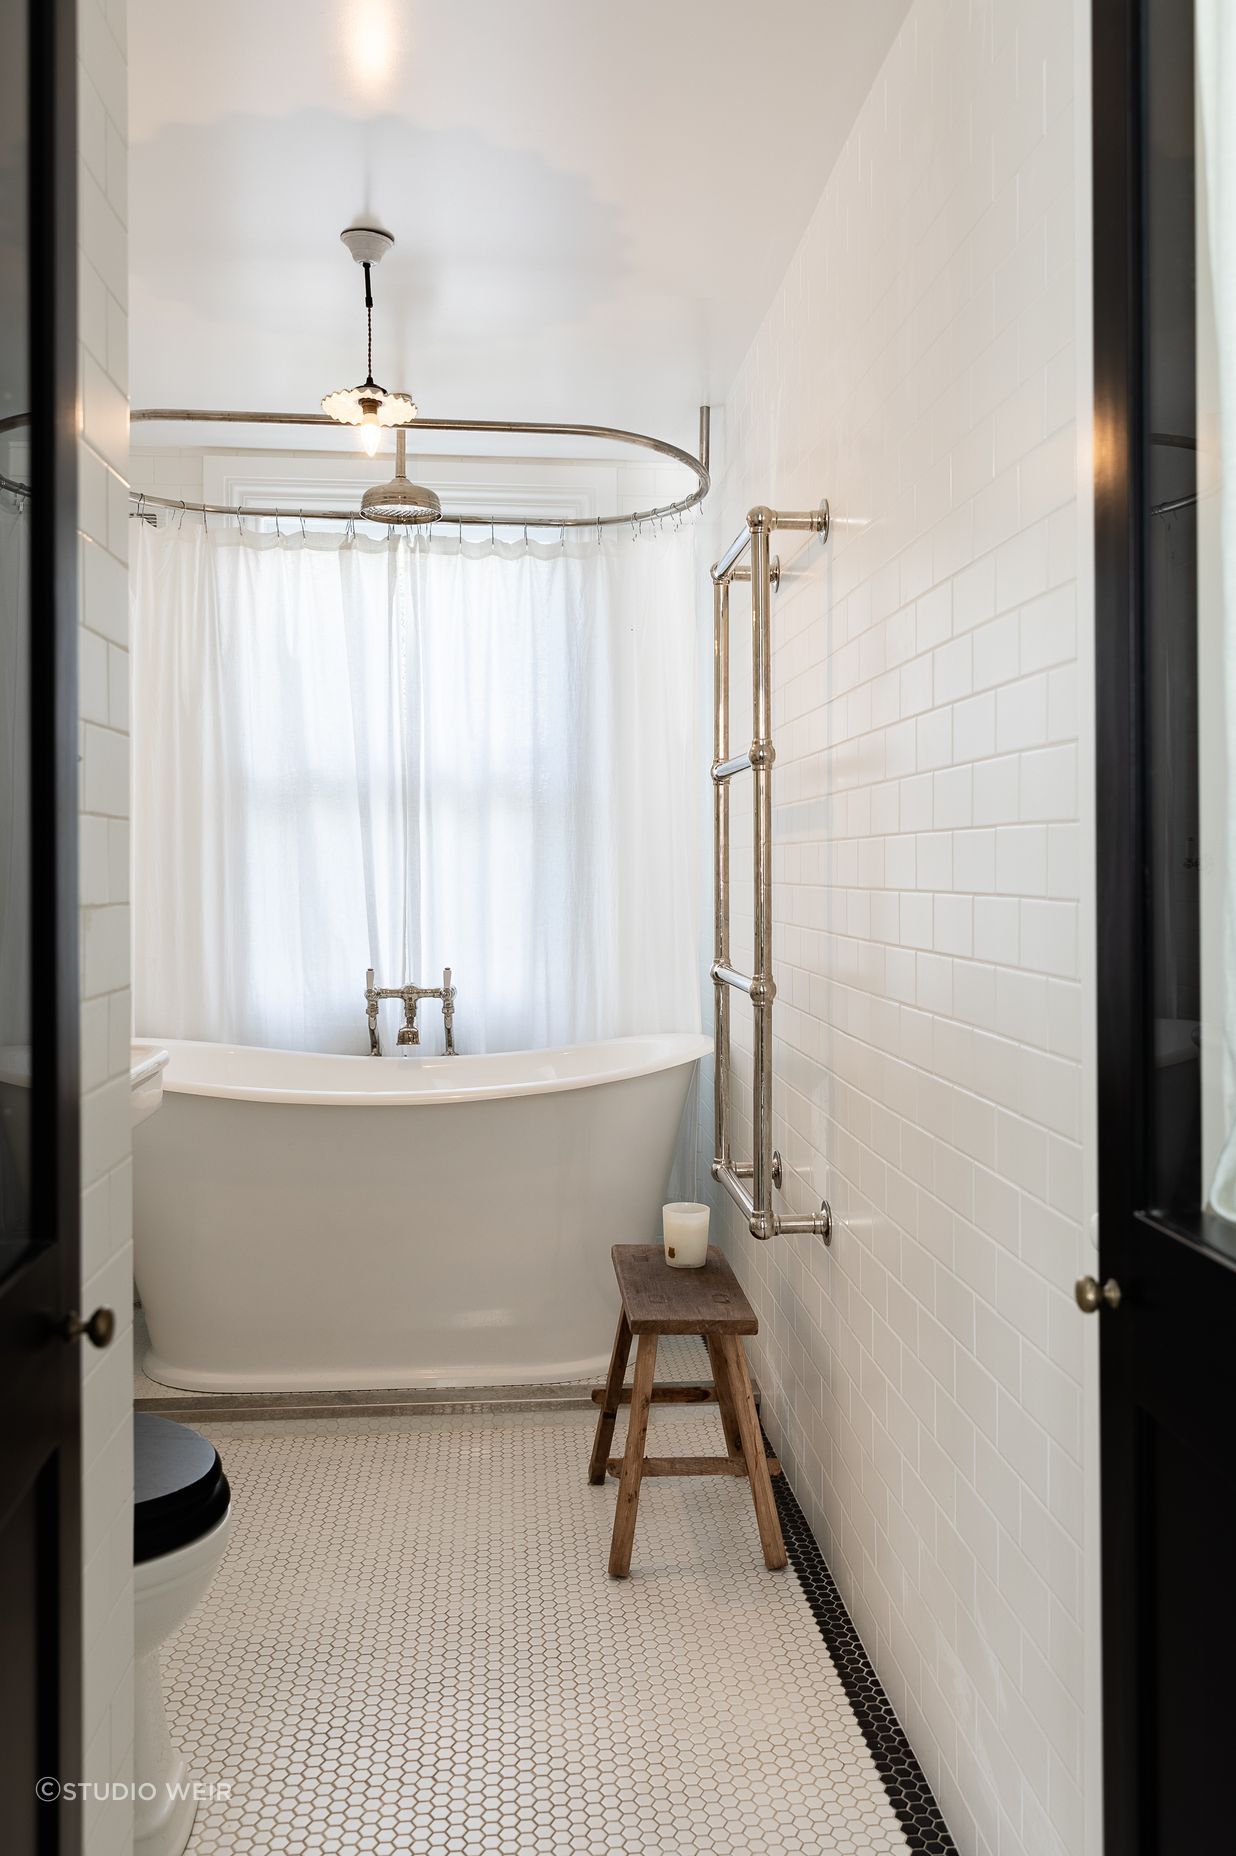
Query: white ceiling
point(593, 202)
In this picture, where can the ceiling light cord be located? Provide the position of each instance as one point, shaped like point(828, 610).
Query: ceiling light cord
point(369, 323)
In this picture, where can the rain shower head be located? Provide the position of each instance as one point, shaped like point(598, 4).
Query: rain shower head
point(400, 502)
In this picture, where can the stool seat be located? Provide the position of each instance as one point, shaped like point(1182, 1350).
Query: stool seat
point(661, 1300)
point(710, 1302)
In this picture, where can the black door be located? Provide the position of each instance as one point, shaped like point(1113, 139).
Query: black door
point(1166, 627)
point(40, 1557)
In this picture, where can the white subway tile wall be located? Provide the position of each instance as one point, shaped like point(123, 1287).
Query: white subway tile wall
point(923, 1379)
point(107, 1250)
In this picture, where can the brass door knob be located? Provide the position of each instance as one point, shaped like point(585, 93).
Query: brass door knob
point(1091, 1295)
point(99, 1328)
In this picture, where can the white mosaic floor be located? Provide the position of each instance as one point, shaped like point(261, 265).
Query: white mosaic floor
point(413, 1646)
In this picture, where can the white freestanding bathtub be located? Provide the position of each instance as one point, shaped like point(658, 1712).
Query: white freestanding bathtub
point(307, 1222)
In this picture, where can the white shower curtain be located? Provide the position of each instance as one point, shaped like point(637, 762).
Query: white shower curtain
point(410, 754)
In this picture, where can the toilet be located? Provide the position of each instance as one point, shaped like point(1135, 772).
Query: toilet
point(180, 1528)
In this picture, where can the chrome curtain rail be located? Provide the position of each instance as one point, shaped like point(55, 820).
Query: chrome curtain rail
point(613, 434)
point(755, 1200)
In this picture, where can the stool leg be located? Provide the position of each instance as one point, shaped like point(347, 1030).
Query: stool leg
point(633, 1458)
point(753, 1451)
point(725, 1395)
point(613, 1398)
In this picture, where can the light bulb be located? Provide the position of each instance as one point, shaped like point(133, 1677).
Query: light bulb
point(370, 435)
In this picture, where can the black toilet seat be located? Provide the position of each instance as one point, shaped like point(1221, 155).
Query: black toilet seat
point(180, 1490)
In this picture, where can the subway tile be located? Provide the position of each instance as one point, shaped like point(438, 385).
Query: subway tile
point(105, 415)
point(92, 676)
point(1021, 714)
point(1049, 783)
point(974, 861)
point(104, 593)
point(974, 728)
point(997, 652)
point(974, 594)
point(997, 791)
point(1021, 860)
point(1049, 937)
point(106, 786)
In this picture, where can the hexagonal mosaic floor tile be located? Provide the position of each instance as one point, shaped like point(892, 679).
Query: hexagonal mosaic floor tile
point(413, 1645)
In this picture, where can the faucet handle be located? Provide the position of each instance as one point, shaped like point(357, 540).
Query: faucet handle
point(448, 1011)
point(371, 1013)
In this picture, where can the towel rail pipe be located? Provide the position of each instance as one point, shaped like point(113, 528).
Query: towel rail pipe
point(764, 1171)
point(761, 872)
point(734, 553)
point(733, 1185)
point(721, 872)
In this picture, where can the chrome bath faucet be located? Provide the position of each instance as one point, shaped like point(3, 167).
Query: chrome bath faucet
point(409, 1032)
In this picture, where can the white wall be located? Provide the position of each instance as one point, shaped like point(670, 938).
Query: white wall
point(107, 1267)
point(923, 363)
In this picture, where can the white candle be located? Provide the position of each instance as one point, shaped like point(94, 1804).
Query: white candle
point(685, 1229)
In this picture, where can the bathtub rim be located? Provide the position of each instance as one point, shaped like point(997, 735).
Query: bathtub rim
point(656, 1051)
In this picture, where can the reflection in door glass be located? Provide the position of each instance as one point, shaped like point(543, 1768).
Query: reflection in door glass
point(1169, 567)
point(14, 648)
point(1216, 587)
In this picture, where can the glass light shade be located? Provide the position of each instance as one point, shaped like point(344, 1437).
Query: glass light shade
point(367, 403)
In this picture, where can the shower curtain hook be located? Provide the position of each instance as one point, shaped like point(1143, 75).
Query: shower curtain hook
point(239, 524)
point(525, 538)
point(598, 531)
point(492, 541)
point(562, 533)
point(141, 505)
point(461, 537)
point(181, 522)
point(303, 535)
point(278, 530)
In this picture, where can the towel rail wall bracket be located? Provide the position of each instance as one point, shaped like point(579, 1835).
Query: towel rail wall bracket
point(750, 1184)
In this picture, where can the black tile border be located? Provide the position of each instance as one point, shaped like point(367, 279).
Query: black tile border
point(903, 1778)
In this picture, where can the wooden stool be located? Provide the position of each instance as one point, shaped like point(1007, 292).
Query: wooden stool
point(659, 1300)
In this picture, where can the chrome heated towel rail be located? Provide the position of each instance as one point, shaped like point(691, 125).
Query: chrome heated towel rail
point(750, 1185)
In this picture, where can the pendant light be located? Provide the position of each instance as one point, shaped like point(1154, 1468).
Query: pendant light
point(368, 406)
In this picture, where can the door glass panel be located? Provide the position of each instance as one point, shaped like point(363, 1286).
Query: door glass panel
point(1169, 566)
point(15, 1052)
point(1215, 132)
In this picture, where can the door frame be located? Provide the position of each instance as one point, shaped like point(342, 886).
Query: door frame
point(56, 1065)
point(1121, 1054)
point(1157, 1258)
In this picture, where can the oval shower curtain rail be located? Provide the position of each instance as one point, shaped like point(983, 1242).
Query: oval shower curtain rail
point(614, 434)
